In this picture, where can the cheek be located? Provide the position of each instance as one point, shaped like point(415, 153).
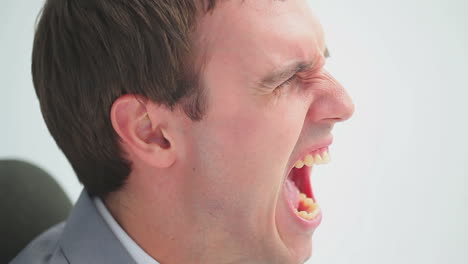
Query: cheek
point(242, 134)
point(241, 151)
point(253, 138)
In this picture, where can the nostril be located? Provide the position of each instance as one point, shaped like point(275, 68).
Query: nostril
point(334, 120)
point(331, 109)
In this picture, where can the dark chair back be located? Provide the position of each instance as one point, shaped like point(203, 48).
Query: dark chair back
point(31, 201)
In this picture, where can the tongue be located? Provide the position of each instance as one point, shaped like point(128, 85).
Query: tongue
point(292, 192)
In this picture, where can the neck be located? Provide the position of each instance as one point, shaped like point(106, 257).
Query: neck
point(166, 233)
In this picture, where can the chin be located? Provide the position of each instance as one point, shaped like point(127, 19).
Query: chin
point(305, 253)
point(302, 251)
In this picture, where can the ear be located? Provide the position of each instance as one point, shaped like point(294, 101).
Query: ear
point(142, 127)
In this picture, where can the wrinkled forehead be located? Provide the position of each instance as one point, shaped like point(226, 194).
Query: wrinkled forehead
point(259, 35)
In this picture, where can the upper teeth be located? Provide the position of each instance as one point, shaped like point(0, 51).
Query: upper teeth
point(309, 160)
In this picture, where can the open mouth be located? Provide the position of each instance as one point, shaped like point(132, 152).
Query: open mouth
point(299, 188)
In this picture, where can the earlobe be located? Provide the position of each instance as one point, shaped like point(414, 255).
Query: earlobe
point(142, 133)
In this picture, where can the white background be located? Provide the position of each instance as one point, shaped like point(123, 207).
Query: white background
point(395, 191)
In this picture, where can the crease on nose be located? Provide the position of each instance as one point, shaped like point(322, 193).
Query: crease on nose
point(331, 103)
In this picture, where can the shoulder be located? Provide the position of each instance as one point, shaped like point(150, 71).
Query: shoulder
point(44, 249)
point(85, 238)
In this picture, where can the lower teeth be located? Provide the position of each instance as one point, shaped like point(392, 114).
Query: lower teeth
point(309, 209)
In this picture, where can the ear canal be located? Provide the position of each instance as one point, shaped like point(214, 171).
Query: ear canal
point(151, 135)
point(160, 140)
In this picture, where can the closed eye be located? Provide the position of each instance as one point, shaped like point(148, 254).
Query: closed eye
point(301, 69)
point(287, 82)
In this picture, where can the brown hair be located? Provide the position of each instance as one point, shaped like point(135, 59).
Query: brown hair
point(87, 53)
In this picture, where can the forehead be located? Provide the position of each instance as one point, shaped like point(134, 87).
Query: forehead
point(255, 36)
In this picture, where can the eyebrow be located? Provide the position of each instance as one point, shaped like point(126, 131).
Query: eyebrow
point(287, 71)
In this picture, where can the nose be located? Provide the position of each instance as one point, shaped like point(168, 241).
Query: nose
point(331, 103)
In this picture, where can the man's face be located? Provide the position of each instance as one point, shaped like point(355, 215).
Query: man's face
point(242, 153)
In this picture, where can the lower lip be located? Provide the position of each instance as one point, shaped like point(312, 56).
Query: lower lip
point(306, 225)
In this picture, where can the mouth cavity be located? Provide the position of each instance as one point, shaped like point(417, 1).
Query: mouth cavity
point(298, 182)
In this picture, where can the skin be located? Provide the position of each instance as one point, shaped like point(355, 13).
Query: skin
point(212, 191)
